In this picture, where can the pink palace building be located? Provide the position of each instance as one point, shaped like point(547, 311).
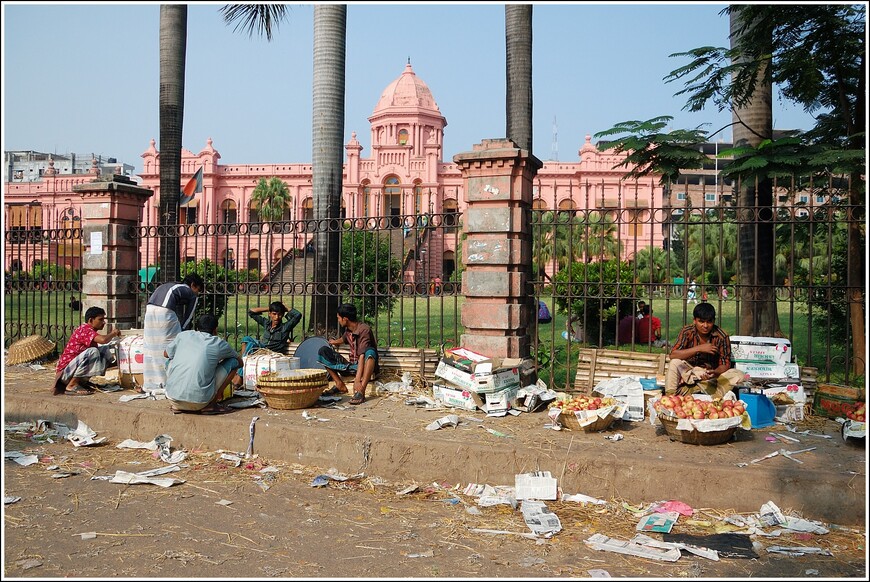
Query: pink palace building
point(404, 174)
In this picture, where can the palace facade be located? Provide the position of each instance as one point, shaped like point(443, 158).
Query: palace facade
point(404, 174)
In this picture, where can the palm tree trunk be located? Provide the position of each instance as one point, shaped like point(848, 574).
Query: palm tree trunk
point(518, 41)
point(330, 32)
point(753, 123)
point(173, 49)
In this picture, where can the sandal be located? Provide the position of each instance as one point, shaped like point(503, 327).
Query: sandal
point(334, 391)
point(358, 398)
point(216, 409)
point(77, 391)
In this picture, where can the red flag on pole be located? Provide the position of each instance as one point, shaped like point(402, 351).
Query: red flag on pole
point(190, 189)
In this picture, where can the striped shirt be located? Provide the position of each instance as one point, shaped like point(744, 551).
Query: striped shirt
point(177, 297)
point(689, 338)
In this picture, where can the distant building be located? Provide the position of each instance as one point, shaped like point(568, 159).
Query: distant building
point(29, 166)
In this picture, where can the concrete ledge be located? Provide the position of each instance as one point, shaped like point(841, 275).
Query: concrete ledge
point(387, 438)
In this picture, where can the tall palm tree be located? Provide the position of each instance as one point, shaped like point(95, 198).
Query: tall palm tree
point(518, 41)
point(330, 35)
point(271, 199)
point(173, 51)
point(753, 123)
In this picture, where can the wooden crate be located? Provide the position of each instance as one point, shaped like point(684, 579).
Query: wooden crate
point(595, 365)
point(393, 359)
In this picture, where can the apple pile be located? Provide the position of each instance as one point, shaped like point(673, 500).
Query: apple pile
point(688, 407)
point(582, 402)
point(858, 413)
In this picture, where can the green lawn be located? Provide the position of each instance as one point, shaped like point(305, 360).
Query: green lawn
point(435, 321)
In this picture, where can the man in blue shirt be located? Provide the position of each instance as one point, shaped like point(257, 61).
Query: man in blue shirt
point(201, 367)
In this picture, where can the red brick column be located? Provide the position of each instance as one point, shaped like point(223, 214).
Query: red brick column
point(499, 301)
point(110, 208)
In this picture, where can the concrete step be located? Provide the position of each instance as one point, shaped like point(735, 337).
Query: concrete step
point(387, 438)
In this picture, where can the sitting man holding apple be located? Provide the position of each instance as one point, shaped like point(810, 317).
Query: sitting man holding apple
point(701, 358)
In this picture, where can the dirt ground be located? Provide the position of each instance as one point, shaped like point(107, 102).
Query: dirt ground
point(226, 522)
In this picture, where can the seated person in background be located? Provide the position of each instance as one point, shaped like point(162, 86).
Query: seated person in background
point(626, 329)
point(640, 305)
point(201, 366)
point(574, 332)
point(701, 358)
point(277, 332)
point(649, 329)
point(363, 363)
point(84, 355)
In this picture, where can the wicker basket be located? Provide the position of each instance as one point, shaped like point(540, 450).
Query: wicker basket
point(695, 437)
point(28, 349)
point(296, 389)
point(569, 420)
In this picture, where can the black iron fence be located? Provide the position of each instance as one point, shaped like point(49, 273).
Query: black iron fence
point(590, 267)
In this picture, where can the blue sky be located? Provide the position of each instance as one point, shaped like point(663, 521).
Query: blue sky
point(84, 78)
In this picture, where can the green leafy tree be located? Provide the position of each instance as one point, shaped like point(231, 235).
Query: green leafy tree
point(373, 273)
point(655, 266)
point(217, 290)
point(593, 293)
point(815, 55)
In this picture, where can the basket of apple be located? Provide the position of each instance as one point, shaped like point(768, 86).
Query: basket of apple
point(854, 430)
point(672, 408)
point(585, 412)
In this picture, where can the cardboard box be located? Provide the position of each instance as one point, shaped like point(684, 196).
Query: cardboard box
point(760, 350)
point(500, 400)
point(453, 396)
point(793, 390)
point(479, 383)
point(831, 406)
point(761, 370)
point(468, 361)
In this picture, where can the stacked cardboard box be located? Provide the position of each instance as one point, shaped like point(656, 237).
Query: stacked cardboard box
point(474, 380)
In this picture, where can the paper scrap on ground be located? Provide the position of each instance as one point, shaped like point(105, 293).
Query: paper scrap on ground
point(487, 495)
point(604, 543)
point(449, 420)
point(770, 514)
point(224, 502)
point(21, 458)
point(580, 498)
point(540, 519)
point(407, 490)
point(598, 573)
point(83, 436)
point(677, 506)
point(645, 540)
point(798, 550)
point(429, 554)
point(135, 479)
point(9, 500)
point(529, 536)
point(536, 485)
point(658, 522)
point(234, 460)
point(614, 437)
point(132, 444)
point(804, 525)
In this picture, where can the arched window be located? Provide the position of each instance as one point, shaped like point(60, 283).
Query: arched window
point(539, 204)
point(418, 198)
point(188, 212)
point(451, 214)
point(392, 197)
point(254, 260)
point(228, 258)
point(367, 191)
point(403, 137)
point(308, 209)
point(229, 213)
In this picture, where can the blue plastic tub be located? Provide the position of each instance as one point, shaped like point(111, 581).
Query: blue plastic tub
point(761, 410)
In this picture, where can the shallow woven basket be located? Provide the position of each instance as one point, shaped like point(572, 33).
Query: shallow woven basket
point(295, 389)
point(28, 349)
point(695, 437)
point(569, 420)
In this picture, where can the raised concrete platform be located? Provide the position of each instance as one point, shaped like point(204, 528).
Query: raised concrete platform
point(387, 438)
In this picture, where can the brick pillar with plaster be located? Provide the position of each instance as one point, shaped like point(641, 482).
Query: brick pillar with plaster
point(499, 301)
point(110, 208)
